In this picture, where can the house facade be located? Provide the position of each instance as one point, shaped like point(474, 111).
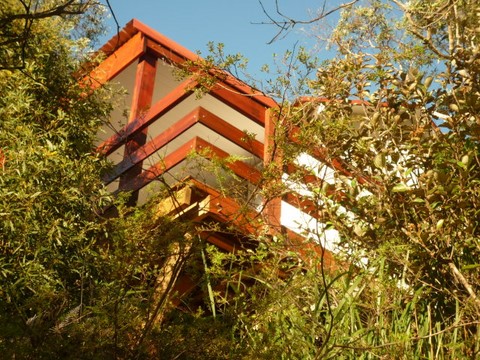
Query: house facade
point(163, 135)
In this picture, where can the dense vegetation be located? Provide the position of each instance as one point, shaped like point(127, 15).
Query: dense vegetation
point(76, 284)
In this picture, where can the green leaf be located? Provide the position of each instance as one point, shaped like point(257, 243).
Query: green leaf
point(470, 266)
point(401, 187)
point(440, 224)
point(379, 160)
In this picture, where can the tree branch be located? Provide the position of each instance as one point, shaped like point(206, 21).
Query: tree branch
point(63, 9)
point(287, 23)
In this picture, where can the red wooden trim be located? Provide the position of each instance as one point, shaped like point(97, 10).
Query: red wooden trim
point(155, 144)
point(141, 101)
point(305, 205)
point(208, 190)
point(174, 158)
point(177, 95)
point(178, 54)
point(227, 210)
point(320, 153)
point(250, 92)
point(118, 61)
point(119, 39)
point(245, 103)
point(230, 89)
point(238, 167)
point(272, 154)
point(144, 85)
point(165, 41)
point(183, 286)
point(240, 102)
point(232, 133)
point(307, 176)
point(199, 115)
point(236, 86)
point(167, 54)
point(218, 241)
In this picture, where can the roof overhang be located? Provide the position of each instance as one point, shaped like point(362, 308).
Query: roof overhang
point(136, 39)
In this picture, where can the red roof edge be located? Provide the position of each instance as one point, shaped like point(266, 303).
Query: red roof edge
point(134, 26)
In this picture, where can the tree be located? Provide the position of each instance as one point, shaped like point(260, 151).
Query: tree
point(18, 20)
point(75, 282)
point(405, 197)
point(395, 116)
point(51, 193)
point(404, 202)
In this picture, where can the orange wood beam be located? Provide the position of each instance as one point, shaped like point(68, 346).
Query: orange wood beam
point(166, 53)
point(252, 93)
point(223, 208)
point(243, 103)
point(228, 210)
point(178, 54)
point(220, 242)
point(229, 90)
point(174, 52)
point(307, 206)
point(118, 61)
point(154, 145)
point(165, 41)
point(141, 101)
point(172, 159)
point(199, 115)
point(197, 144)
point(183, 286)
point(272, 158)
point(177, 95)
point(191, 198)
point(231, 132)
point(125, 34)
point(238, 167)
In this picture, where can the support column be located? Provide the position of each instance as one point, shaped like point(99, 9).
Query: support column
point(141, 102)
point(273, 163)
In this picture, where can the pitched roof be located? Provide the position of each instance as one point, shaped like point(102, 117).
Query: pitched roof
point(136, 38)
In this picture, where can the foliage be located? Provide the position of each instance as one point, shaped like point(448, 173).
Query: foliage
point(394, 115)
point(19, 19)
point(74, 283)
point(50, 189)
point(403, 139)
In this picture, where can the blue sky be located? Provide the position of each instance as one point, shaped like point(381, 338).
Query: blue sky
point(194, 23)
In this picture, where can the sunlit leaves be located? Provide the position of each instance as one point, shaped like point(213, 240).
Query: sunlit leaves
point(50, 188)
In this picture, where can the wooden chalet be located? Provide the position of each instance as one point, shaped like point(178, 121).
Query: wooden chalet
point(150, 144)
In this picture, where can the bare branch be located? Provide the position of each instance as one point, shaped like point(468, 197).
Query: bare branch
point(114, 18)
point(286, 23)
point(415, 30)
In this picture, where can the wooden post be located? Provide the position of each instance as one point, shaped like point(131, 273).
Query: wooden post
point(141, 102)
point(272, 160)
